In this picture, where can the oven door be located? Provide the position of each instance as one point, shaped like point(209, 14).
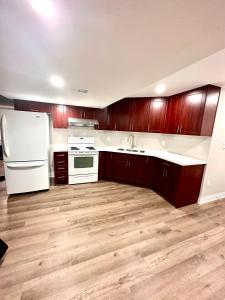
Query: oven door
point(83, 164)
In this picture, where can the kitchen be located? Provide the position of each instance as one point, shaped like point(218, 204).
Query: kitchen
point(111, 190)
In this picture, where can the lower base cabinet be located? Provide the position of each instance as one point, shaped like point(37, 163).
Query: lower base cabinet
point(180, 185)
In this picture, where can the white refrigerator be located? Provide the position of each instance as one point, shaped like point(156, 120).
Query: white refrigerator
point(25, 143)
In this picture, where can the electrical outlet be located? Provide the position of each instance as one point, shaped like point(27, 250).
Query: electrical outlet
point(208, 182)
point(163, 143)
point(223, 146)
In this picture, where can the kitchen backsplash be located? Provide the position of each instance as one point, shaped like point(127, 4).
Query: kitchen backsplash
point(193, 146)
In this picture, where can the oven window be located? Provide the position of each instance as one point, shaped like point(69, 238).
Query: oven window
point(83, 162)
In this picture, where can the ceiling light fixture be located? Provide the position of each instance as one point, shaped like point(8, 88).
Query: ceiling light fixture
point(82, 91)
point(43, 7)
point(160, 89)
point(57, 81)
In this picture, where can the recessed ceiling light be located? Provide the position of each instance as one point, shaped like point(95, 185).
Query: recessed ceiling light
point(43, 7)
point(160, 88)
point(57, 81)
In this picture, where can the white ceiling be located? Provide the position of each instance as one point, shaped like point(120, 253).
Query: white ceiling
point(210, 70)
point(112, 48)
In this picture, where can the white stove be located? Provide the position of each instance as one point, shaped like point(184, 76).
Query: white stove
point(83, 160)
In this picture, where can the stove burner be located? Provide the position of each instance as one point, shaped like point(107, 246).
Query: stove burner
point(90, 148)
point(74, 148)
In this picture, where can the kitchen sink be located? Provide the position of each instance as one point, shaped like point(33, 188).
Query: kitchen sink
point(131, 150)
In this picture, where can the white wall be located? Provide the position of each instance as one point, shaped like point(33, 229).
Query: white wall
point(193, 146)
point(213, 186)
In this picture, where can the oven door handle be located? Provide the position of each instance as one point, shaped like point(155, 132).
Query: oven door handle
point(82, 155)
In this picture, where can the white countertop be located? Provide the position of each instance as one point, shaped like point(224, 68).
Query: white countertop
point(169, 156)
point(172, 157)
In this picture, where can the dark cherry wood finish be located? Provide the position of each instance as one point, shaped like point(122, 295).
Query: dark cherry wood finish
point(157, 115)
point(61, 167)
point(180, 185)
point(60, 116)
point(190, 113)
point(32, 106)
point(193, 112)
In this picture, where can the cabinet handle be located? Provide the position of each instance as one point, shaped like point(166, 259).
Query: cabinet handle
point(60, 154)
point(60, 177)
point(165, 173)
point(146, 160)
point(181, 128)
point(178, 127)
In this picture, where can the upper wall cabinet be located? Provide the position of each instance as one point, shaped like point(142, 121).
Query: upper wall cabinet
point(193, 113)
point(157, 115)
point(60, 116)
point(138, 114)
point(32, 106)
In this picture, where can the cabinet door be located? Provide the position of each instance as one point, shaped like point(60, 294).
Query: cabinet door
point(173, 119)
point(108, 165)
point(101, 116)
point(140, 115)
point(123, 118)
point(112, 116)
point(88, 113)
point(157, 117)
point(32, 106)
point(101, 165)
point(140, 170)
point(74, 112)
point(166, 179)
point(120, 167)
point(192, 113)
point(60, 116)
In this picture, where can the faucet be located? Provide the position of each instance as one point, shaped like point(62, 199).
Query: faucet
point(131, 139)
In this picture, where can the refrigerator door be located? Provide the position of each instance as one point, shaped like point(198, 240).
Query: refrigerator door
point(25, 136)
point(22, 177)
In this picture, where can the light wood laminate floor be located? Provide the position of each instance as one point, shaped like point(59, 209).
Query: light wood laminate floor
point(110, 241)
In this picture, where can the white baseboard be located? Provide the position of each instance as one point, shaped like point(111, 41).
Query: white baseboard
point(210, 198)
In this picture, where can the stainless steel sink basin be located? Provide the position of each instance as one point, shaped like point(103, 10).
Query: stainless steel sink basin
point(131, 150)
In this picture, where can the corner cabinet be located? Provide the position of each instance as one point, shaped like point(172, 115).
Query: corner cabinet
point(193, 112)
point(179, 185)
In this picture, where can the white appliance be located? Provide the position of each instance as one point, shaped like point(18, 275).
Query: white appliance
point(25, 143)
point(83, 160)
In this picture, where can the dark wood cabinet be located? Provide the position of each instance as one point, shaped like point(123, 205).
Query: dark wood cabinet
point(101, 165)
point(32, 106)
point(140, 170)
point(180, 185)
point(60, 116)
point(157, 115)
point(140, 114)
point(101, 116)
point(61, 167)
point(193, 112)
point(190, 113)
point(127, 168)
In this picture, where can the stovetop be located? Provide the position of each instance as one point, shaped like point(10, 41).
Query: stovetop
point(81, 145)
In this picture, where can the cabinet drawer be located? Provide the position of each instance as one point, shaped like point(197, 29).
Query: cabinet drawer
point(60, 156)
point(61, 178)
point(61, 168)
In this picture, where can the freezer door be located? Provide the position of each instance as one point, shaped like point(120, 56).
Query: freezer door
point(23, 177)
point(25, 136)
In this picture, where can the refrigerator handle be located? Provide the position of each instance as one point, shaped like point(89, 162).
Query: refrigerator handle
point(3, 129)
